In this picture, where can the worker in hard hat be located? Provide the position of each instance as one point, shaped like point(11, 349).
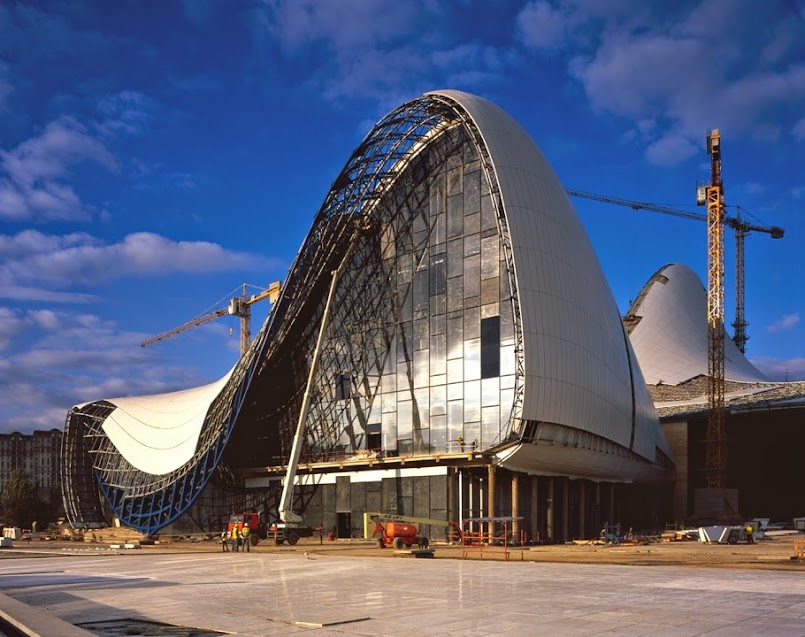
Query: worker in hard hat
point(750, 533)
point(225, 541)
point(245, 534)
point(235, 539)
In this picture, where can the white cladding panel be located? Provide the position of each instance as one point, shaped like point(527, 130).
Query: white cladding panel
point(671, 337)
point(157, 434)
point(576, 361)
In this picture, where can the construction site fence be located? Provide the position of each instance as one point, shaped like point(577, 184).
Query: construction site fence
point(478, 543)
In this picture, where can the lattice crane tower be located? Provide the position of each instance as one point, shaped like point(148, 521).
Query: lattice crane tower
point(716, 439)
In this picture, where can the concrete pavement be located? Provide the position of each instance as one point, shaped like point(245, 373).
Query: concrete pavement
point(288, 594)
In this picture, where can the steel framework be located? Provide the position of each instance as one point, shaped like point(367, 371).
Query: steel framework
point(385, 179)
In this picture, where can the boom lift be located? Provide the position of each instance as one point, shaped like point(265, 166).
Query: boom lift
point(399, 531)
point(239, 306)
point(741, 228)
point(289, 525)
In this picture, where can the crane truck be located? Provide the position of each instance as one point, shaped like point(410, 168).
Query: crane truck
point(257, 529)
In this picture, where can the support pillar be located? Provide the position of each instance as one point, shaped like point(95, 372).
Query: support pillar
point(612, 503)
point(516, 506)
point(452, 497)
point(565, 509)
point(550, 527)
point(597, 521)
point(582, 510)
point(490, 498)
point(535, 535)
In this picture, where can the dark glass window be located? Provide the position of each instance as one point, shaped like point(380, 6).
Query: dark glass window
point(374, 440)
point(490, 347)
point(343, 387)
point(438, 274)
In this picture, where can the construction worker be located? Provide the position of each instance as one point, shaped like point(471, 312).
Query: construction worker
point(235, 539)
point(245, 534)
point(225, 541)
point(750, 533)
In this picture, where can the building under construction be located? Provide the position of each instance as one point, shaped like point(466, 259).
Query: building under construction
point(450, 341)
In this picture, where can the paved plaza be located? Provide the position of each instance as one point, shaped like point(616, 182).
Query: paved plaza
point(328, 595)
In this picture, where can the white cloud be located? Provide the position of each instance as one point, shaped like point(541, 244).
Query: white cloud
point(373, 49)
point(126, 111)
point(31, 173)
point(792, 369)
point(734, 64)
point(671, 149)
point(344, 26)
point(799, 129)
point(34, 258)
point(62, 143)
point(784, 323)
point(542, 26)
point(70, 358)
point(10, 325)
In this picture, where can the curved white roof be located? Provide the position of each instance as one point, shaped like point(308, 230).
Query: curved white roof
point(580, 370)
point(157, 434)
point(670, 333)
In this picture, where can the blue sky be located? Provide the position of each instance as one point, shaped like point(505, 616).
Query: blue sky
point(154, 156)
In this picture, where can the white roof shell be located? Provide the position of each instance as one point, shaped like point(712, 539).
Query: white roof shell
point(580, 370)
point(670, 339)
point(157, 434)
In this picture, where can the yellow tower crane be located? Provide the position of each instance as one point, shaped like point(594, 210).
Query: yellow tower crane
point(239, 306)
point(715, 464)
point(741, 228)
point(712, 196)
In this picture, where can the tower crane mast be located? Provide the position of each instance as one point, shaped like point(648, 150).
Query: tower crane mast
point(716, 437)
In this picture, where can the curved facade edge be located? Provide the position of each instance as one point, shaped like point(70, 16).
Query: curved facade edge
point(552, 460)
point(578, 365)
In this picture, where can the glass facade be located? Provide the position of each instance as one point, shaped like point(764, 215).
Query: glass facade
point(428, 343)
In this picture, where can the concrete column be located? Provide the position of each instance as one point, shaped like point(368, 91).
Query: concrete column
point(534, 508)
point(611, 519)
point(582, 510)
point(452, 495)
point(515, 505)
point(490, 498)
point(550, 527)
point(598, 522)
point(677, 436)
point(470, 502)
point(565, 508)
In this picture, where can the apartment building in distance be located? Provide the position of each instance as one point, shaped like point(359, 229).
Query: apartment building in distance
point(36, 453)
